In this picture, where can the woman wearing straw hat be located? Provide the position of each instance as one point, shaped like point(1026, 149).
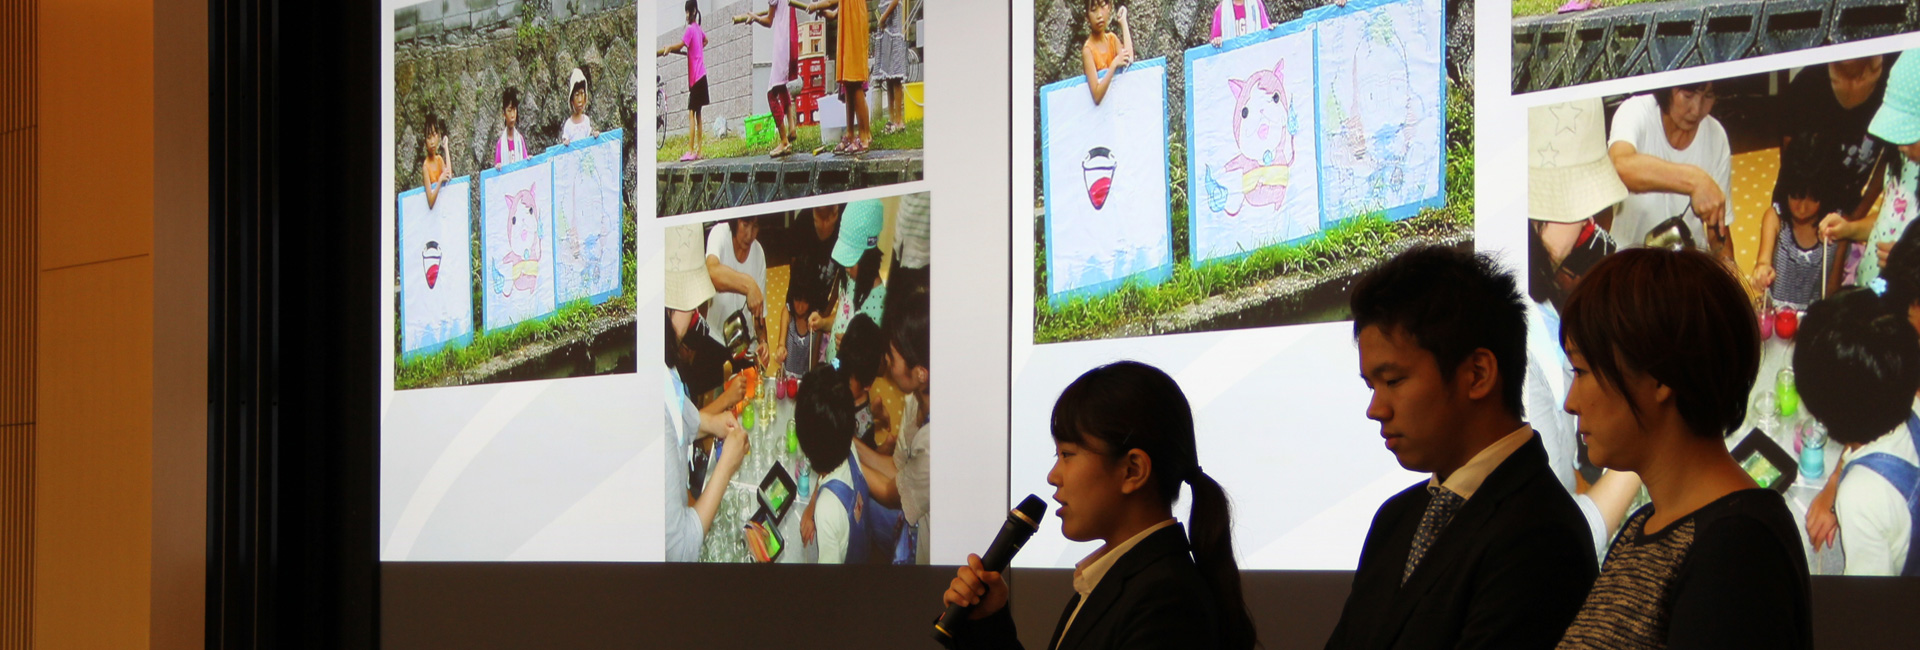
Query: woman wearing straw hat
point(1571, 185)
point(688, 518)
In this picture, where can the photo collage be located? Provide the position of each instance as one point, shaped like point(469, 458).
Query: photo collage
point(795, 277)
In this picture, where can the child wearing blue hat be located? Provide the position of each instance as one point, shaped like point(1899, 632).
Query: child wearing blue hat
point(857, 254)
point(1898, 123)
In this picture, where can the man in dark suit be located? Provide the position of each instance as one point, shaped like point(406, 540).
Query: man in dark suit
point(1491, 551)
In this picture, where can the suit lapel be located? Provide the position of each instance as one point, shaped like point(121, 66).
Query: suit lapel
point(1065, 615)
point(1172, 539)
point(1459, 535)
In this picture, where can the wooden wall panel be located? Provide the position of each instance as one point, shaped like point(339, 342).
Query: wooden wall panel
point(180, 194)
point(94, 457)
point(19, 248)
point(93, 450)
point(96, 117)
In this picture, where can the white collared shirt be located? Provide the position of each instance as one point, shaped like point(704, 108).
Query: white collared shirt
point(1466, 480)
point(1088, 572)
point(1876, 529)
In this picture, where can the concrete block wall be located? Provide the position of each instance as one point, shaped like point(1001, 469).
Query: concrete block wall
point(730, 86)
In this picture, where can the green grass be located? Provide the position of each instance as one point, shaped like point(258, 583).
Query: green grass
point(808, 137)
point(1083, 318)
point(1522, 8)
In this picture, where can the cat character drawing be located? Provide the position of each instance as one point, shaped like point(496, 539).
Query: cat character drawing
point(519, 270)
point(1263, 130)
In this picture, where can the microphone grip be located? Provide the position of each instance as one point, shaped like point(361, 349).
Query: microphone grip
point(1013, 535)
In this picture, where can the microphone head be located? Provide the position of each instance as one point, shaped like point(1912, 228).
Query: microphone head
point(1031, 509)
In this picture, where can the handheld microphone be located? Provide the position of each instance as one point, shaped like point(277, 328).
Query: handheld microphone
point(1021, 524)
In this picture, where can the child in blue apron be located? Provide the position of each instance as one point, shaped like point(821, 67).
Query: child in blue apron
point(852, 526)
point(1858, 367)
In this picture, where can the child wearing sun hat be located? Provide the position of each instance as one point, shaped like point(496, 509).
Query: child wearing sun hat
point(857, 254)
point(1898, 123)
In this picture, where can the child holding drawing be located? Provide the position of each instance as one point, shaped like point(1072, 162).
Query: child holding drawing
point(512, 146)
point(577, 127)
point(435, 171)
point(693, 43)
point(1236, 18)
point(1105, 54)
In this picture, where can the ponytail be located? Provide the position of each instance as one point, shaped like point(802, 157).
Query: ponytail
point(1130, 405)
point(1210, 529)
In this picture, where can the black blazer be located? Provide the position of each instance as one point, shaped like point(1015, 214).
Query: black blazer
point(1510, 571)
point(1153, 597)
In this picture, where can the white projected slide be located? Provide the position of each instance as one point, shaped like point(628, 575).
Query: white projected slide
point(532, 408)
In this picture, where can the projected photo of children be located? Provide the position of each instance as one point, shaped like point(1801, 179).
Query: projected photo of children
point(798, 370)
point(765, 100)
point(1205, 166)
point(1801, 181)
point(513, 164)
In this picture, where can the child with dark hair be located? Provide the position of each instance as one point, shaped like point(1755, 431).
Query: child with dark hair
point(1899, 283)
point(851, 525)
point(1105, 54)
point(862, 352)
point(1858, 368)
point(1794, 258)
point(512, 146)
point(796, 350)
point(693, 44)
point(435, 169)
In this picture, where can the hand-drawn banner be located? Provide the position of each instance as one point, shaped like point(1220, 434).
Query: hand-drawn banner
point(1104, 171)
point(1293, 129)
point(1253, 171)
point(1383, 98)
point(436, 289)
point(586, 218)
point(517, 272)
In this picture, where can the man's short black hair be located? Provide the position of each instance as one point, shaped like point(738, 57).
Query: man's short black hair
point(1857, 366)
point(823, 419)
point(1451, 303)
